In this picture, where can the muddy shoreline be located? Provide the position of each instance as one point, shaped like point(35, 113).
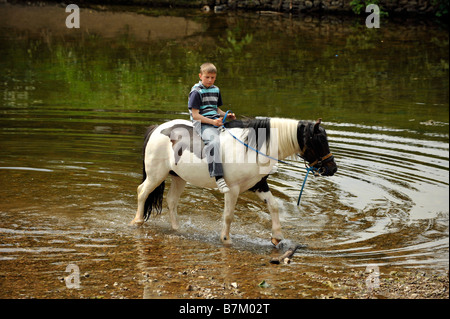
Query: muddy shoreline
point(158, 264)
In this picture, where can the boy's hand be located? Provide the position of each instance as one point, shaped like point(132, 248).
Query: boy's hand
point(231, 116)
point(217, 122)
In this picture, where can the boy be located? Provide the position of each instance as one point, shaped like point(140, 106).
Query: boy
point(204, 107)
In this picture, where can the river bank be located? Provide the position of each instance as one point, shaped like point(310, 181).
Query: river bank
point(431, 8)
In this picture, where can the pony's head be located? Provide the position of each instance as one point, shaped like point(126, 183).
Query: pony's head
point(314, 148)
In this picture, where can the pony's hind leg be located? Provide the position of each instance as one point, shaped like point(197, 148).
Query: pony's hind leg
point(176, 188)
point(143, 191)
point(146, 189)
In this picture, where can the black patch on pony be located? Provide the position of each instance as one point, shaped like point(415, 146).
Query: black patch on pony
point(261, 186)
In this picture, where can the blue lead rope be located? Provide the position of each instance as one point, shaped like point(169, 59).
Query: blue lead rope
point(225, 117)
point(308, 169)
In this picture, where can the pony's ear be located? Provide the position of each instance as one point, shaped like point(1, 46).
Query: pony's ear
point(316, 126)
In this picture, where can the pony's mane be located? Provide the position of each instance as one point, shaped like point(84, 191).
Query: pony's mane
point(287, 136)
point(251, 131)
point(286, 130)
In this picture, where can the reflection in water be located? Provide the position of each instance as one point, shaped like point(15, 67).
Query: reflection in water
point(74, 110)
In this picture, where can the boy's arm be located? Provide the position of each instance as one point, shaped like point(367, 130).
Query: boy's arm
point(198, 117)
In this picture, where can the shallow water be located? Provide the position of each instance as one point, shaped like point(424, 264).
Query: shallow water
point(74, 108)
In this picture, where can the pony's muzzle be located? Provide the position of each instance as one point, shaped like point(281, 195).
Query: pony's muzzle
point(328, 170)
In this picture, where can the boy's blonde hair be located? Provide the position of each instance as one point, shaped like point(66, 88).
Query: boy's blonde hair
point(208, 68)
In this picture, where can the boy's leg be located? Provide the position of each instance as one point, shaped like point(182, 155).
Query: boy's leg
point(210, 136)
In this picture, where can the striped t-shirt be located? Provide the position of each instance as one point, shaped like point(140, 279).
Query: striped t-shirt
point(205, 99)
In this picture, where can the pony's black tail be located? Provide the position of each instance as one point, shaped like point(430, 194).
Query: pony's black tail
point(155, 198)
point(154, 201)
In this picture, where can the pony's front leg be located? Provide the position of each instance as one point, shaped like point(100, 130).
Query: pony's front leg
point(176, 188)
point(228, 213)
point(267, 197)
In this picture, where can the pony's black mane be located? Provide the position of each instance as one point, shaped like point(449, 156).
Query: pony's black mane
point(257, 126)
point(250, 123)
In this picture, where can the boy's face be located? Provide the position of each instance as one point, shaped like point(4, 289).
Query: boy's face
point(207, 79)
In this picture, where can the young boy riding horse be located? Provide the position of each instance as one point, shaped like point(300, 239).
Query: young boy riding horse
point(204, 107)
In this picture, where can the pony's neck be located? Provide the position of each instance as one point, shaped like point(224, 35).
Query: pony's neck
point(286, 130)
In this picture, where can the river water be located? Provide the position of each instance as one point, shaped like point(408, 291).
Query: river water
point(75, 103)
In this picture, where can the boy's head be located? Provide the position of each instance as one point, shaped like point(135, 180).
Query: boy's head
point(207, 74)
point(208, 68)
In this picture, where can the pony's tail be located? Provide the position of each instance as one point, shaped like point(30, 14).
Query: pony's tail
point(155, 198)
point(154, 201)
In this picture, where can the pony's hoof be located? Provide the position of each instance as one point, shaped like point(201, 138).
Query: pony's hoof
point(226, 240)
point(275, 241)
point(135, 222)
